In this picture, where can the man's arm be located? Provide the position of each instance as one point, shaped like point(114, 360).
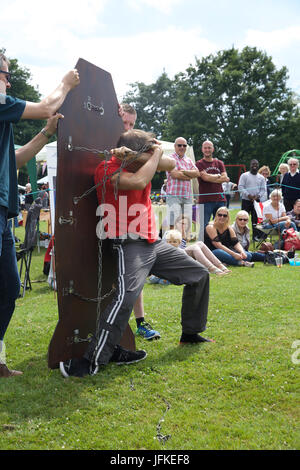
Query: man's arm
point(214, 178)
point(29, 150)
point(179, 175)
point(262, 190)
point(191, 173)
point(242, 187)
point(143, 176)
point(49, 105)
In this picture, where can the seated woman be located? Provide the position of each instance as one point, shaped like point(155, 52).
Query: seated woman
point(223, 242)
point(274, 213)
point(242, 232)
point(199, 251)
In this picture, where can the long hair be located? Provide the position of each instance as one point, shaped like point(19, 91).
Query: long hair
point(136, 139)
point(223, 208)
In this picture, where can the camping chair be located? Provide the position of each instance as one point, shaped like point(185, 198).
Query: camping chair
point(266, 232)
point(24, 254)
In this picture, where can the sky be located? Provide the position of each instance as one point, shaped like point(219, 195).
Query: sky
point(137, 40)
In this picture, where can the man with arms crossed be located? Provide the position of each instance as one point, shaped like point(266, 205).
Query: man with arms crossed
point(179, 188)
point(212, 174)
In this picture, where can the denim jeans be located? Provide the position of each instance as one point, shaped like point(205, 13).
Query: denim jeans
point(210, 209)
point(9, 275)
point(281, 226)
point(226, 258)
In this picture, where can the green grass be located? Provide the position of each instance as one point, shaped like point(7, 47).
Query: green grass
point(241, 392)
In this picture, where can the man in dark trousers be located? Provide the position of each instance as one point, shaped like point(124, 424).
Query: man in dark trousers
point(139, 252)
point(252, 187)
point(11, 111)
point(291, 184)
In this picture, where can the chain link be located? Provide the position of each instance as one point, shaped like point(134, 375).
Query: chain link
point(125, 162)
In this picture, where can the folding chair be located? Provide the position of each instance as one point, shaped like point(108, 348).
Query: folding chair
point(266, 232)
point(24, 254)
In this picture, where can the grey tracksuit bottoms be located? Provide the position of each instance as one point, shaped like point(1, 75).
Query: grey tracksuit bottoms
point(136, 260)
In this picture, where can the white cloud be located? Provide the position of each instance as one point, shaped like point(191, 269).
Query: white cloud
point(164, 6)
point(30, 23)
point(142, 57)
point(274, 40)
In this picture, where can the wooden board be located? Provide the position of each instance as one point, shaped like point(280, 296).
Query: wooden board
point(90, 121)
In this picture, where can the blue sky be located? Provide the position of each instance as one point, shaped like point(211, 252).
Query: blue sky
point(135, 40)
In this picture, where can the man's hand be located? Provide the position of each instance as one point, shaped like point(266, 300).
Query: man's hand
point(71, 79)
point(123, 153)
point(179, 175)
point(52, 122)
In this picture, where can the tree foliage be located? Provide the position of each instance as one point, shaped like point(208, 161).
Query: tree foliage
point(237, 99)
point(152, 103)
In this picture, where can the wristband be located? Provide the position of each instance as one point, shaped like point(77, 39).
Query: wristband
point(45, 133)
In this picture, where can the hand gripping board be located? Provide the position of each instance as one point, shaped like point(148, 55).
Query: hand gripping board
point(91, 121)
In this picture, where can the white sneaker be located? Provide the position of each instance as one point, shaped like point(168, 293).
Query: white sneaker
point(248, 264)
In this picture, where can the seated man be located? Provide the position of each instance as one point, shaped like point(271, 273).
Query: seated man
point(294, 214)
point(139, 253)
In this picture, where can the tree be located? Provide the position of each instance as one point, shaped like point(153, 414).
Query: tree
point(152, 103)
point(241, 102)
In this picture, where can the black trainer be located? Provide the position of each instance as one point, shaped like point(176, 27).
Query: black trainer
point(75, 368)
point(193, 339)
point(124, 356)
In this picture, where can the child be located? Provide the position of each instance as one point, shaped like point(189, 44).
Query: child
point(174, 238)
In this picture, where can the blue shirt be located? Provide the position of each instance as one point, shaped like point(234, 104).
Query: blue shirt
point(11, 110)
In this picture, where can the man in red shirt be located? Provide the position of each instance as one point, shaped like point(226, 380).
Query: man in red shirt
point(212, 175)
point(128, 221)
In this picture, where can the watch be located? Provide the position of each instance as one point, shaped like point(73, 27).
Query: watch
point(45, 133)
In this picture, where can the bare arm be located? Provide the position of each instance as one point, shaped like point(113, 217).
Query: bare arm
point(179, 175)
point(29, 150)
point(191, 173)
point(49, 105)
point(143, 176)
point(283, 218)
point(212, 233)
point(215, 178)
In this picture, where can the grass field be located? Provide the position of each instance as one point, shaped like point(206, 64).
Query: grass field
point(241, 392)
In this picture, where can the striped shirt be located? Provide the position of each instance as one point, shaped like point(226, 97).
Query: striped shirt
point(177, 187)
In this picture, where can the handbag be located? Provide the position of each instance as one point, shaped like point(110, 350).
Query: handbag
point(271, 256)
point(291, 239)
point(266, 246)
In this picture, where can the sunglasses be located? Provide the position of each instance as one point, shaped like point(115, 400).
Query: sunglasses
point(8, 75)
point(222, 215)
point(293, 164)
point(244, 220)
point(181, 145)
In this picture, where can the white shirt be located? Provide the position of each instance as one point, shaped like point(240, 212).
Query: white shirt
point(275, 213)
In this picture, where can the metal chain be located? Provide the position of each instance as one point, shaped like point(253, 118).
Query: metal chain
point(107, 154)
point(76, 199)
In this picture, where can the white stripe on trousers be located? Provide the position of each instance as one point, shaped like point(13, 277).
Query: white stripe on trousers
point(116, 308)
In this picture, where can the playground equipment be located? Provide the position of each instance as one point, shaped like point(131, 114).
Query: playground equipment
point(290, 153)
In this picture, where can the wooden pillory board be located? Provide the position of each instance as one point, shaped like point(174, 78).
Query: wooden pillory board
point(91, 121)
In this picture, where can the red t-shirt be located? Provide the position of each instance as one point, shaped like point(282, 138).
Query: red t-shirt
point(215, 167)
point(127, 211)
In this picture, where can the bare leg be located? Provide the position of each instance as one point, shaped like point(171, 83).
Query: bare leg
point(138, 307)
point(203, 254)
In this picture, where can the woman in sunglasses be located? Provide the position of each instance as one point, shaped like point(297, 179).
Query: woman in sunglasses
point(221, 239)
point(242, 232)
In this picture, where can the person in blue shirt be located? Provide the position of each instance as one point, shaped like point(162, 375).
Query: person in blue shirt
point(11, 111)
